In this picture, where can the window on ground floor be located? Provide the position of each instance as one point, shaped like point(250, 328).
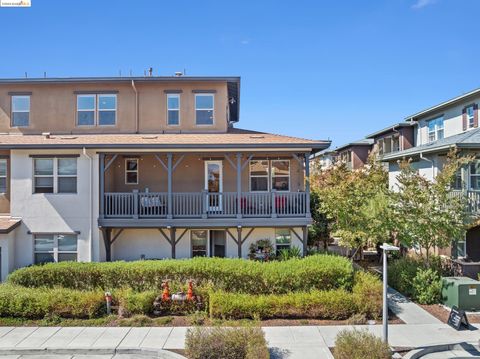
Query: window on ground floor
point(199, 240)
point(475, 176)
point(283, 239)
point(461, 250)
point(55, 248)
point(3, 175)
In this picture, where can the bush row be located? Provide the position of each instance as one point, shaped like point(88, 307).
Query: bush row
point(322, 272)
point(336, 304)
point(37, 303)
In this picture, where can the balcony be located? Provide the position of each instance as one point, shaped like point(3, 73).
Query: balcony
point(472, 200)
point(203, 205)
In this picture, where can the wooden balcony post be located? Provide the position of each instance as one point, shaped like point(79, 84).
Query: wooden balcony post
point(307, 185)
point(239, 185)
point(169, 181)
point(305, 240)
point(204, 203)
point(173, 241)
point(135, 203)
point(107, 234)
point(274, 206)
point(102, 185)
point(239, 241)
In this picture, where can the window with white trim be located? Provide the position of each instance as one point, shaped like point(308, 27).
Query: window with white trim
point(131, 171)
point(435, 129)
point(55, 248)
point(469, 111)
point(199, 239)
point(55, 175)
point(283, 239)
point(475, 176)
point(173, 109)
point(281, 175)
point(20, 111)
point(3, 175)
point(204, 104)
point(457, 182)
point(259, 174)
point(96, 110)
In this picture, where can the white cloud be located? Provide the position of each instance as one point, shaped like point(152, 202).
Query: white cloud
point(422, 3)
point(245, 42)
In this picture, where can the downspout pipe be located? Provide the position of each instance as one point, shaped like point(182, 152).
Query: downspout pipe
point(431, 161)
point(136, 106)
point(90, 186)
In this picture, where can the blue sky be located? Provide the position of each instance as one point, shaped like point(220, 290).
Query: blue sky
point(314, 69)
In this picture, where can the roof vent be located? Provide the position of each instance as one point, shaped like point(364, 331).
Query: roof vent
point(257, 136)
point(178, 74)
point(149, 137)
point(68, 137)
point(46, 134)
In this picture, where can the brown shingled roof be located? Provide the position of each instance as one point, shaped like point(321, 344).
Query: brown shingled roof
point(7, 224)
point(233, 138)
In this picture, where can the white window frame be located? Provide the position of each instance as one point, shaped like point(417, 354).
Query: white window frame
point(55, 250)
point(470, 118)
point(54, 175)
point(470, 175)
point(436, 129)
point(272, 176)
point(258, 176)
point(96, 109)
point(174, 95)
point(20, 111)
point(205, 109)
point(4, 160)
point(132, 171)
point(207, 244)
point(283, 245)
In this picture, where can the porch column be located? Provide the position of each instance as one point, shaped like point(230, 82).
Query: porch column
point(173, 241)
point(170, 196)
point(305, 240)
point(239, 241)
point(107, 240)
point(239, 185)
point(102, 184)
point(307, 184)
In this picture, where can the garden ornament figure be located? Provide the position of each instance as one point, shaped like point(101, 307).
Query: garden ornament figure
point(166, 291)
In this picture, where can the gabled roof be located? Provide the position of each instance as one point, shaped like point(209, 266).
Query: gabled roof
point(469, 139)
point(362, 142)
point(234, 138)
point(443, 105)
point(391, 128)
point(233, 84)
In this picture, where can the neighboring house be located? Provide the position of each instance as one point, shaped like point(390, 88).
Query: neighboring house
point(354, 154)
point(100, 169)
point(398, 137)
point(323, 160)
point(450, 124)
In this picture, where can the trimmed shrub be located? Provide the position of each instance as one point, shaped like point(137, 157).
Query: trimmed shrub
point(360, 344)
point(132, 303)
point(221, 343)
point(401, 273)
point(367, 293)
point(36, 303)
point(427, 286)
point(334, 304)
point(322, 272)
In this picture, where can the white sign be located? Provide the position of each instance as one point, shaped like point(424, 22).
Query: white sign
point(472, 291)
point(15, 3)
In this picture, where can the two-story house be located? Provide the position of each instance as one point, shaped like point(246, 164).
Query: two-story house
point(100, 169)
point(354, 154)
point(395, 138)
point(450, 124)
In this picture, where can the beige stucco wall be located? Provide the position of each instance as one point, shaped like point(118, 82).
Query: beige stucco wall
point(53, 107)
point(189, 176)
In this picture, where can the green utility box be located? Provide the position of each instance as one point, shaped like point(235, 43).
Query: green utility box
point(462, 292)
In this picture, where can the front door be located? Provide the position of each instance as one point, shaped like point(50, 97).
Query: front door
point(218, 239)
point(214, 184)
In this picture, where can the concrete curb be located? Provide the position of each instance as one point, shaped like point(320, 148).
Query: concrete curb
point(419, 353)
point(158, 353)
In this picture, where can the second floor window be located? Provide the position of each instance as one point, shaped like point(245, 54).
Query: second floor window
point(131, 171)
point(20, 111)
point(470, 111)
point(3, 175)
point(259, 176)
point(281, 175)
point(55, 175)
point(266, 175)
point(96, 110)
point(204, 109)
point(435, 129)
point(173, 109)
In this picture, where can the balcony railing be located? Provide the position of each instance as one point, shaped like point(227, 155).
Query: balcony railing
point(472, 200)
point(204, 205)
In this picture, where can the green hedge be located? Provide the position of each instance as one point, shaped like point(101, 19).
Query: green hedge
point(36, 303)
point(366, 298)
point(322, 272)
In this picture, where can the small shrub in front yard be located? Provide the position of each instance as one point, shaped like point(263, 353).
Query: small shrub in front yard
point(132, 303)
point(226, 343)
point(427, 286)
point(367, 292)
point(37, 303)
point(360, 344)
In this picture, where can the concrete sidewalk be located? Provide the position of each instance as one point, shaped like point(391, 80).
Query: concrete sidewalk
point(407, 310)
point(301, 342)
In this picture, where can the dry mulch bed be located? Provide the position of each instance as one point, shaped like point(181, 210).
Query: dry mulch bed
point(442, 313)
